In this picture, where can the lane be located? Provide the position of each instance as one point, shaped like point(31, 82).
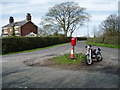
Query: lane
point(57, 78)
point(16, 74)
point(17, 59)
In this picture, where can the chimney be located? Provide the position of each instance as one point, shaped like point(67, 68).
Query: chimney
point(11, 19)
point(28, 17)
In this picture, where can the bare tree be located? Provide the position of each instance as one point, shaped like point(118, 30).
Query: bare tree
point(110, 25)
point(41, 32)
point(49, 29)
point(68, 16)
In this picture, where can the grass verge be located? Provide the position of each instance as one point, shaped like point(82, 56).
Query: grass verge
point(65, 59)
point(104, 45)
point(34, 49)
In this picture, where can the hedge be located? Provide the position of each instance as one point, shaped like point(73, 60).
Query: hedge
point(81, 38)
point(15, 44)
point(113, 40)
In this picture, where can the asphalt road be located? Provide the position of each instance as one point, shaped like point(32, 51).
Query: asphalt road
point(15, 74)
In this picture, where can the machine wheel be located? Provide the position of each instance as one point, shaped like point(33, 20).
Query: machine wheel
point(88, 61)
point(99, 56)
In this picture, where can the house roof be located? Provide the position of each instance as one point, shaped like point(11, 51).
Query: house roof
point(20, 23)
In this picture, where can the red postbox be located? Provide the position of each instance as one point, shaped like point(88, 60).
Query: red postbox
point(73, 41)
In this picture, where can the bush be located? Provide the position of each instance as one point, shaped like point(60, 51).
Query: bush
point(15, 44)
point(81, 38)
point(113, 40)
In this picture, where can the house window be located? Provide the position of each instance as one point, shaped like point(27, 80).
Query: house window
point(17, 33)
point(10, 29)
point(5, 31)
point(16, 29)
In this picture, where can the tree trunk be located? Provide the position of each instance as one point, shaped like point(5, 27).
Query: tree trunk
point(65, 33)
point(71, 34)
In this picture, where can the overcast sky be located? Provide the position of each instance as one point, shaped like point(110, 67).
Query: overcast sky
point(98, 9)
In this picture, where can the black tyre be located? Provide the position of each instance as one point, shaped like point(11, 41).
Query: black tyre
point(88, 61)
point(99, 56)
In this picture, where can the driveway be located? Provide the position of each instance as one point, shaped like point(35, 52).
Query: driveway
point(16, 74)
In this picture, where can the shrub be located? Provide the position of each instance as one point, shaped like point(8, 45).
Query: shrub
point(81, 38)
point(113, 40)
point(15, 44)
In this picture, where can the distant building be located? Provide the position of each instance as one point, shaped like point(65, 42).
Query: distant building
point(22, 28)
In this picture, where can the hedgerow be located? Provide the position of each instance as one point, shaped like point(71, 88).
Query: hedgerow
point(113, 40)
point(15, 44)
point(81, 38)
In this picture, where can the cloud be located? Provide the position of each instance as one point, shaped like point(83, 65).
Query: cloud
point(99, 9)
point(100, 6)
point(96, 17)
point(18, 8)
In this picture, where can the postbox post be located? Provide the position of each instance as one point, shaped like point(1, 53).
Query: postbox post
point(73, 43)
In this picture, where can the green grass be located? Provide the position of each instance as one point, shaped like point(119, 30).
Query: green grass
point(65, 59)
point(104, 45)
point(34, 49)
